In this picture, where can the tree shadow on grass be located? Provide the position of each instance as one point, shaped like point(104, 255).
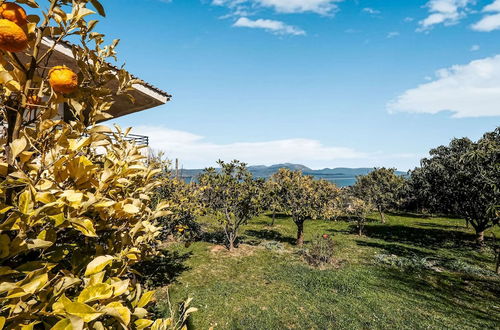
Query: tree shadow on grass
point(432, 238)
point(447, 293)
point(397, 249)
point(269, 235)
point(409, 215)
point(163, 269)
point(435, 225)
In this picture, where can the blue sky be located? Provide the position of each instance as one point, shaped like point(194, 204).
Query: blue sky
point(318, 82)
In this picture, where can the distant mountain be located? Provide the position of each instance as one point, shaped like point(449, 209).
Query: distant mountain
point(341, 176)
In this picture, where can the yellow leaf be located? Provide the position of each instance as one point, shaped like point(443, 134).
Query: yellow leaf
point(17, 146)
point(25, 202)
point(118, 311)
point(130, 208)
point(36, 283)
point(85, 226)
point(2, 322)
point(83, 311)
point(64, 324)
point(4, 208)
point(29, 326)
point(120, 287)
point(143, 323)
point(145, 299)
point(73, 196)
point(4, 270)
point(98, 264)
point(38, 243)
point(95, 292)
point(140, 312)
point(7, 286)
point(58, 219)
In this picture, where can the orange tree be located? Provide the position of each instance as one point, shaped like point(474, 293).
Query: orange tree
point(303, 198)
point(75, 214)
point(232, 195)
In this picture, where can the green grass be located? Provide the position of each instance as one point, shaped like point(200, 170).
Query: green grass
point(261, 288)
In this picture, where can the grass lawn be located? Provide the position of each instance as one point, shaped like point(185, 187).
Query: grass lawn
point(412, 272)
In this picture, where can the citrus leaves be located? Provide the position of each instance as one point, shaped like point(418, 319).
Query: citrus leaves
point(98, 264)
point(76, 210)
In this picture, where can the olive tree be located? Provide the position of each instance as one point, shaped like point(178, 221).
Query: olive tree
point(381, 188)
point(232, 195)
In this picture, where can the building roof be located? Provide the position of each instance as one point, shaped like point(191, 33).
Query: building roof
point(146, 95)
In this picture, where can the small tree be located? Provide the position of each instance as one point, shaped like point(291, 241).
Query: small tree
point(298, 198)
point(355, 209)
point(381, 187)
point(271, 198)
point(232, 195)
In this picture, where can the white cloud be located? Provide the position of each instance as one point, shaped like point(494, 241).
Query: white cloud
point(195, 151)
point(276, 27)
point(393, 34)
point(322, 7)
point(489, 22)
point(371, 11)
point(494, 6)
point(475, 48)
point(471, 90)
point(447, 12)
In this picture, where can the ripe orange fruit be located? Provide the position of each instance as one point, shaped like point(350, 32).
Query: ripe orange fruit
point(12, 37)
point(13, 12)
point(63, 80)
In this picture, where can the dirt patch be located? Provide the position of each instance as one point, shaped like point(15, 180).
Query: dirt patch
point(243, 250)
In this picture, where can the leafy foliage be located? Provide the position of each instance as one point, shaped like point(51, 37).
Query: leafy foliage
point(232, 195)
point(184, 205)
point(303, 198)
point(355, 209)
point(462, 179)
point(75, 197)
point(381, 188)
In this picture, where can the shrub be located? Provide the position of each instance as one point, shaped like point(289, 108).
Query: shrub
point(320, 252)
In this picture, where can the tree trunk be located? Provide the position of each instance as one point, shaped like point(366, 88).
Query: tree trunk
point(480, 237)
point(497, 253)
point(360, 227)
point(382, 216)
point(274, 218)
point(300, 232)
point(467, 223)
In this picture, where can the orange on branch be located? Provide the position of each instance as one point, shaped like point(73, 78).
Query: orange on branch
point(12, 37)
point(63, 79)
point(14, 13)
